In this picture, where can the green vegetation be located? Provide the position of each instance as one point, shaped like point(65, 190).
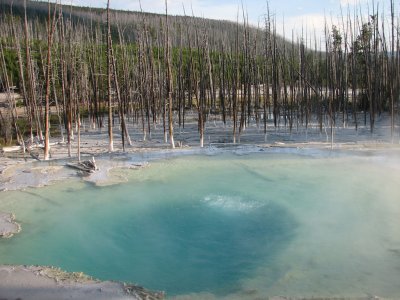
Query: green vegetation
point(147, 66)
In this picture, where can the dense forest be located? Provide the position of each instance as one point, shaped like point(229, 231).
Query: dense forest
point(114, 67)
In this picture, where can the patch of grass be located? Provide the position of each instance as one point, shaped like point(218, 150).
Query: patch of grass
point(4, 143)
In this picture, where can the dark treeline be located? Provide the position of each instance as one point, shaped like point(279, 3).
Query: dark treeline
point(69, 63)
point(130, 23)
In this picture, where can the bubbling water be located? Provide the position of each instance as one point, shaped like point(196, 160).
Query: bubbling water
point(231, 203)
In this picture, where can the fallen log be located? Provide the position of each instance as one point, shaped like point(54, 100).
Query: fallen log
point(87, 166)
point(33, 155)
point(79, 167)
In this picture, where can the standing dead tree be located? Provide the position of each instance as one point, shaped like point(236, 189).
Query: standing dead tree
point(143, 73)
point(109, 85)
point(51, 25)
point(169, 80)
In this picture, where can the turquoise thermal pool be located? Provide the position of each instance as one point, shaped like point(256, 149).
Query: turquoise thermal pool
point(224, 226)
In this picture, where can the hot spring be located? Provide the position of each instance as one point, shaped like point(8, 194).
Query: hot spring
point(224, 226)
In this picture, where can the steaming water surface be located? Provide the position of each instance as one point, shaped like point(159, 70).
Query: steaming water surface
point(224, 226)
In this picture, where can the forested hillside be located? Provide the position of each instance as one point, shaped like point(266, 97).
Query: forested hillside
point(70, 63)
point(131, 23)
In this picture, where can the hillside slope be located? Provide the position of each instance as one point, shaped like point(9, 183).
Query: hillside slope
point(131, 22)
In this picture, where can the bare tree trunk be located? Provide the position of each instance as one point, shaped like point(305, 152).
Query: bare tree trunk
point(124, 131)
point(10, 98)
point(51, 27)
point(31, 79)
point(169, 83)
point(79, 136)
point(22, 78)
point(392, 73)
point(109, 74)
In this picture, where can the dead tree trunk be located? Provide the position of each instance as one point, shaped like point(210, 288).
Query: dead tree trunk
point(50, 28)
point(109, 74)
point(169, 82)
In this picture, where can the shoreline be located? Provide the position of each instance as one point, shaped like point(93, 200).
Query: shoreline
point(41, 283)
point(21, 170)
point(17, 174)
